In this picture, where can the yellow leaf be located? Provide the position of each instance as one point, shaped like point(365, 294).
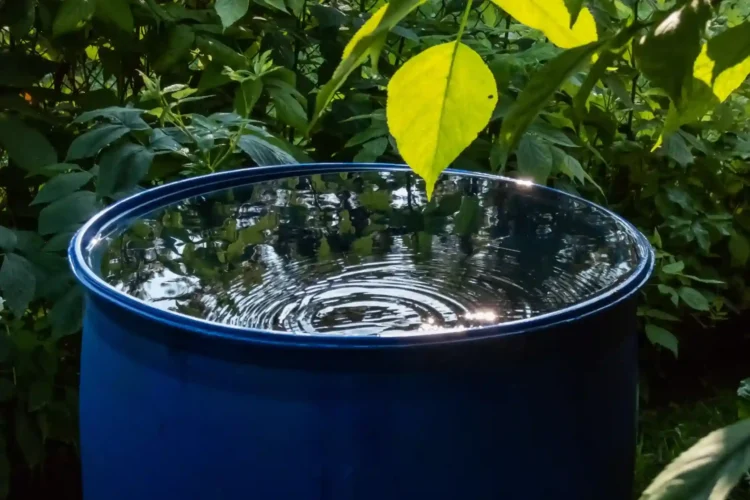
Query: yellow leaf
point(552, 18)
point(438, 102)
point(727, 81)
point(367, 29)
point(704, 92)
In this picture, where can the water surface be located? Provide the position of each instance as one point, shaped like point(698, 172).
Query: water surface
point(366, 254)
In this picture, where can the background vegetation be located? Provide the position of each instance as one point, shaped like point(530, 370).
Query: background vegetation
point(100, 98)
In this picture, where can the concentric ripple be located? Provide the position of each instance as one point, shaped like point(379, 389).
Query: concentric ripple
point(367, 255)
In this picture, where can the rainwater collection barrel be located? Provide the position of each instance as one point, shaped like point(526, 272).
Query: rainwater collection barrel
point(324, 332)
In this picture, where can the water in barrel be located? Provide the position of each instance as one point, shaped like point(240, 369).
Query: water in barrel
point(365, 253)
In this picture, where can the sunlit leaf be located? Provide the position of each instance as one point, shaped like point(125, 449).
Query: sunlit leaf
point(553, 18)
point(434, 119)
point(667, 55)
point(707, 471)
point(366, 42)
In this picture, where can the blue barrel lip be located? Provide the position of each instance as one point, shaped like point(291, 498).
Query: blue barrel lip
point(154, 198)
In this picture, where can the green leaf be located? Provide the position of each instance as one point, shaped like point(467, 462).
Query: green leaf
point(707, 471)
point(179, 42)
point(128, 117)
point(66, 314)
point(221, 53)
point(248, 93)
point(676, 148)
point(666, 55)
point(540, 89)
point(29, 438)
point(8, 238)
point(551, 134)
point(231, 11)
point(434, 119)
point(24, 145)
point(534, 159)
point(40, 393)
point(566, 164)
point(58, 242)
point(67, 213)
point(273, 4)
point(122, 167)
point(674, 268)
point(116, 12)
point(554, 19)
point(376, 201)
point(90, 143)
point(289, 110)
point(657, 314)
point(660, 336)
point(739, 249)
point(371, 150)
point(264, 152)
point(366, 42)
point(693, 298)
point(17, 282)
point(61, 186)
point(73, 15)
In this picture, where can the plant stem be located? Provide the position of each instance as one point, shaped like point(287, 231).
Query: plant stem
point(464, 20)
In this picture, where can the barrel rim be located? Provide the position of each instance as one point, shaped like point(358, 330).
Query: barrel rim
point(148, 200)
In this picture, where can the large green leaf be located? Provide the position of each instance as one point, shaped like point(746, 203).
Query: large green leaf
point(25, 146)
point(264, 152)
point(434, 119)
point(122, 167)
point(248, 93)
point(66, 314)
point(221, 53)
point(17, 282)
point(231, 11)
point(707, 471)
point(128, 117)
point(179, 42)
point(60, 186)
point(534, 159)
point(667, 54)
point(8, 238)
point(693, 298)
point(663, 337)
point(90, 143)
point(540, 89)
point(116, 12)
point(67, 213)
point(73, 15)
point(367, 42)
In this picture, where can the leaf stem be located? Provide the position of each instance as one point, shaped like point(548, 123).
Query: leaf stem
point(464, 20)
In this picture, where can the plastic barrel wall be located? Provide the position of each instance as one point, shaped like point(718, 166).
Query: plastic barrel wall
point(174, 407)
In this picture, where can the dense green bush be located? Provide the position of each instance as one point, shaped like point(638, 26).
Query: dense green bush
point(99, 98)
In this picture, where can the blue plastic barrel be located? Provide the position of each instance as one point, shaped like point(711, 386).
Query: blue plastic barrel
point(173, 406)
